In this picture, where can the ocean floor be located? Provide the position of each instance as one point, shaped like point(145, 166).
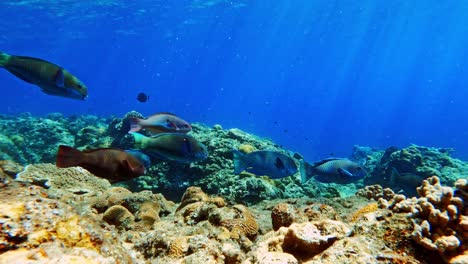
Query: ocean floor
point(204, 213)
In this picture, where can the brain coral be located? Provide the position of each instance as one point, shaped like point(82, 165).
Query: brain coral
point(244, 225)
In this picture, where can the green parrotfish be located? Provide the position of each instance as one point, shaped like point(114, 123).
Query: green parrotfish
point(177, 147)
point(51, 78)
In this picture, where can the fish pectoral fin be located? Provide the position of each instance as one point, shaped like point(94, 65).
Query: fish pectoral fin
point(344, 172)
point(302, 171)
point(239, 161)
point(60, 78)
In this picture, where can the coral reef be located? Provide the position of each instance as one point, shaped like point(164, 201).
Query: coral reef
point(28, 140)
point(119, 216)
point(405, 169)
point(69, 215)
point(439, 217)
point(284, 214)
point(36, 228)
point(244, 225)
point(62, 181)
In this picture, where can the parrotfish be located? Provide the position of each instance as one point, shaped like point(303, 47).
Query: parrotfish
point(51, 78)
point(264, 162)
point(406, 181)
point(112, 164)
point(332, 170)
point(160, 123)
point(177, 147)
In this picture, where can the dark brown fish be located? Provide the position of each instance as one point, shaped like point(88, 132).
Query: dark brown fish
point(112, 164)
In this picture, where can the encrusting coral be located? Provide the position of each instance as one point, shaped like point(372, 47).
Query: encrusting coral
point(369, 208)
point(36, 228)
point(74, 180)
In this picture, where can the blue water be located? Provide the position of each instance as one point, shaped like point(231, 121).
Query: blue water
point(315, 76)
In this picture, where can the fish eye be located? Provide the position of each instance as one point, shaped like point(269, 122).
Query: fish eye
point(169, 123)
point(187, 146)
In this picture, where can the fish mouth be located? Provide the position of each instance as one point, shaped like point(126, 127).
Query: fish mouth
point(72, 93)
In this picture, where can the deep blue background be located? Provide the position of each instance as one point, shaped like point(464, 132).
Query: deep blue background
point(315, 76)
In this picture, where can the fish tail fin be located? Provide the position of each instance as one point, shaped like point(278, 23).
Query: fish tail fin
point(68, 157)
point(135, 125)
point(4, 59)
point(302, 171)
point(239, 161)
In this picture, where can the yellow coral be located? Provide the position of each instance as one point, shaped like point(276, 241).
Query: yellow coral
point(72, 233)
point(218, 201)
point(369, 208)
point(178, 247)
point(149, 212)
point(192, 195)
point(246, 148)
point(284, 214)
point(245, 225)
point(12, 210)
point(39, 236)
point(118, 215)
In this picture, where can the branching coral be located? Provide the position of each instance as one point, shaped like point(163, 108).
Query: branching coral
point(440, 217)
point(375, 192)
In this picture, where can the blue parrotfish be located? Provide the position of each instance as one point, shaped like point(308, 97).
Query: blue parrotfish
point(264, 162)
